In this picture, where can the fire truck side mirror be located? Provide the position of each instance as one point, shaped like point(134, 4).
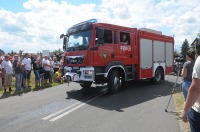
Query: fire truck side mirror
point(64, 43)
point(64, 40)
point(61, 36)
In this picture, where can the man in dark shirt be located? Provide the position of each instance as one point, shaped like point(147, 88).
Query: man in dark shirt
point(17, 66)
point(124, 39)
point(36, 69)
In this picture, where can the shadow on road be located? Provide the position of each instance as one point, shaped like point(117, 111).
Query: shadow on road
point(135, 93)
point(24, 91)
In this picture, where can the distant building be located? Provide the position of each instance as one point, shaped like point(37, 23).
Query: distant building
point(194, 43)
point(45, 52)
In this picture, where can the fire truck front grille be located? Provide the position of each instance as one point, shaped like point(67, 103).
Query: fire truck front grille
point(75, 60)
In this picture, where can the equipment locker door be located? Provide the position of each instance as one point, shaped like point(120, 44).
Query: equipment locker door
point(146, 64)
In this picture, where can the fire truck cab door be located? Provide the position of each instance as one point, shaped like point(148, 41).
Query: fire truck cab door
point(103, 50)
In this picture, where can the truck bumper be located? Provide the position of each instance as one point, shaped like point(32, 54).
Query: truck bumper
point(80, 75)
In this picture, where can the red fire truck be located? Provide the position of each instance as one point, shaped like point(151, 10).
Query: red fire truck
point(101, 53)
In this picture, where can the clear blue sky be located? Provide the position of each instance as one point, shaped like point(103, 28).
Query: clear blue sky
point(12, 5)
point(17, 5)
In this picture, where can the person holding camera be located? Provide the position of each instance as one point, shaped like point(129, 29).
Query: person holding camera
point(191, 109)
point(187, 72)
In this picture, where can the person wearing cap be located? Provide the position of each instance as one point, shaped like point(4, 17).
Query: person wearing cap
point(7, 71)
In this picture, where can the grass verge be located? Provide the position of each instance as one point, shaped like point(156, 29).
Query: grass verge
point(178, 100)
point(32, 88)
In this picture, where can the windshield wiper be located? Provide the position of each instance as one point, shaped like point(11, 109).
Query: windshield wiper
point(70, 49)
point(81, 47)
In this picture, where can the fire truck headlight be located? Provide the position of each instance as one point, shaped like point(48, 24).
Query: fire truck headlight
point(89, 72)
point(67, 69)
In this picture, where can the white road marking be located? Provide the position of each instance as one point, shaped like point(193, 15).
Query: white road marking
point(72, 108)
point(75, 108)
point(58, 112)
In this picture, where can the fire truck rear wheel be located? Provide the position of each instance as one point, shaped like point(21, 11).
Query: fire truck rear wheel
point(86, 84)
point(157, 76)
point(114, 82)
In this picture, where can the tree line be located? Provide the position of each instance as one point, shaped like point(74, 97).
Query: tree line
point(184, 47)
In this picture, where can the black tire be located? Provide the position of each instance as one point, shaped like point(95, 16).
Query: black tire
point(157, 76)
point(123, 82)
point(86, 84)
point(114, 82)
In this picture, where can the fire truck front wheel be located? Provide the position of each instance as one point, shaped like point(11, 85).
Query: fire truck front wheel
point(86, 84)
point(114, 82)
point(157, 76)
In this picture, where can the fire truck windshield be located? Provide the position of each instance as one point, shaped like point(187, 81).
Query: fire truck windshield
point(78, 40)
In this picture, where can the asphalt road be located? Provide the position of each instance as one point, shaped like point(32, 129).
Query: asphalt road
point(140, 107)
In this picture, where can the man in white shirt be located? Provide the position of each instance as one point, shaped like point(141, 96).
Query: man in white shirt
point(55, 65)
point(27, 70)
point(47, 68)
point(7, 71)
point(191, 110)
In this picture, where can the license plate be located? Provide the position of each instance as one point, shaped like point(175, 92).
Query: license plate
point(75, 68)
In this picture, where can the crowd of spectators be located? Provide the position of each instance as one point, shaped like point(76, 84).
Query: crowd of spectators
point(45, 68)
